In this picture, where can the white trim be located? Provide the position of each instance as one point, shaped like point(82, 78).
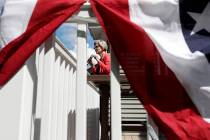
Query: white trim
point(55, 95)
point(116, 129)
point(81, 83)
point(47, 89)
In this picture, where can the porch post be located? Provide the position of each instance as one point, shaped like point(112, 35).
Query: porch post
point(116, 129)
point(152, 129)
point(81, 83)
point(104, 110)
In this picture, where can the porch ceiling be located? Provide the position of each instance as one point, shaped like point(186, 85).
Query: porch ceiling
point(86, 16)
point(97, 32)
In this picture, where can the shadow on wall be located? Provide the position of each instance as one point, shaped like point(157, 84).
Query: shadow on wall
point(71, 125)
point(93, 124)
point(37, 128)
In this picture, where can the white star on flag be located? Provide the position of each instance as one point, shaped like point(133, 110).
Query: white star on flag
point(202, 20)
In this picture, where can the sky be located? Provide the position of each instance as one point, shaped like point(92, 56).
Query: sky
point(67, 34)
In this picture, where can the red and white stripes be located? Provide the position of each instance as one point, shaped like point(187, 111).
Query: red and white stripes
point(25, 25)
point(141, 32)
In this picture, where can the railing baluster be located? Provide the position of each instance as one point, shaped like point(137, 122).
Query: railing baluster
point(55, 97)
point(47, 89)
point(60, 101)
point(40, 73)
point(65, 106)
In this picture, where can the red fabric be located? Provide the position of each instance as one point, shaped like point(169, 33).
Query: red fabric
point(154, 83)
point(103, 64)
point(46, 17)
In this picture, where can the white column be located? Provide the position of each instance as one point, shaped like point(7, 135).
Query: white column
point(116, 130)
point(65, 102)
point(70, 126)
point(73, 107)
point(40, 72)
point(81, 81)
point(60, 100)
point(47, 89)
point(152, 129)
point(55, 101)
point(70, 89)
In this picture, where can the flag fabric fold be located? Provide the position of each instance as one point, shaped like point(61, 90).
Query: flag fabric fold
point(153, 41)
point(24, 25)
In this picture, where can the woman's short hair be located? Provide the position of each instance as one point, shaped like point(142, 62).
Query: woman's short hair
point(101, 43)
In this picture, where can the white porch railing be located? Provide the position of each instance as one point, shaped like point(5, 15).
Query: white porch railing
point(39, 102)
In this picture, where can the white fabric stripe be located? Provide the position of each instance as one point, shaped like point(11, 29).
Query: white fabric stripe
point(157, 17)
point(1, 6)
point(14, 19)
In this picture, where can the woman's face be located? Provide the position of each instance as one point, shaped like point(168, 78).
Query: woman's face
point(98, 50)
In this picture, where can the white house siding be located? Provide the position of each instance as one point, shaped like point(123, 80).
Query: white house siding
point(38, 103)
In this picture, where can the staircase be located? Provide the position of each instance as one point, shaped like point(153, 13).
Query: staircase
point(134, 115)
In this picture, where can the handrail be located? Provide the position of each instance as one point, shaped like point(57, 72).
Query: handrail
point(59, 48)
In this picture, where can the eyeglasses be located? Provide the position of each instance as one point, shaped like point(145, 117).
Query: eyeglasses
point(96, 45)
point(96, 48)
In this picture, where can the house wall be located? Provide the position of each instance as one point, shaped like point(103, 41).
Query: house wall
point(38, 103)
